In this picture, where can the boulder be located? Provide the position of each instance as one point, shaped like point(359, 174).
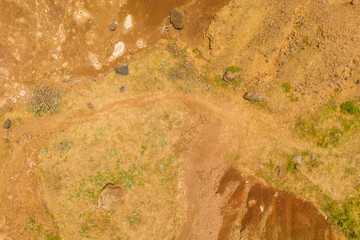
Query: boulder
point(253, 96)
point(111, 197)
point(122, 70)
point(177, 19)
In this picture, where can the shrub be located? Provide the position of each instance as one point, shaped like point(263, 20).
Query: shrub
point(44, 99)
point(349, 107)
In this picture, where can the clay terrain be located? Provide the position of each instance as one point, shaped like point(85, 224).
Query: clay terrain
point(179, 119)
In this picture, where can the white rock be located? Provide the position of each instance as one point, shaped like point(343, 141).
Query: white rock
point(94, 60)
point(119, 49)
point(128, 22)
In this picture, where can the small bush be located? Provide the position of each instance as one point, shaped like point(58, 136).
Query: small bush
point(349, 107)
point(44, 99)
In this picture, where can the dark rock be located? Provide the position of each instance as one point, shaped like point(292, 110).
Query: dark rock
point(7, 124)
point(6, 140)
point(229, 76)
point(112, 27)
point(253, 96)
point(177, 19)
point(90, 106)
point(111, 197)
point(122, 89)
point(355, 2)
point(357, 82)
point(122, 70)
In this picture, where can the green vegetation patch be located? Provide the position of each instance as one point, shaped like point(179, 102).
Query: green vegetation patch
point(349, 107)
point(328, 126)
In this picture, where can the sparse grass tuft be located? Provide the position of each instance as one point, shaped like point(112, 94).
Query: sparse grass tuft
point(44, 99)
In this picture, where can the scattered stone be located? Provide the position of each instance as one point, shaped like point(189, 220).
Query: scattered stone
point(177, 19)
point(261, 166)
point(7, 124)
point(357, 82)
point(251, 203)
point(229, 76)
point(122, 89)
point(297, 167)
point(111, 197)
point(297, 159)
point(355, 2)
point(112, 27)
point(357, 181)
point(122, 70)
point(253, 96)
point(312, 157)
point(276, 194)
point(90, 106)
point(6, 140)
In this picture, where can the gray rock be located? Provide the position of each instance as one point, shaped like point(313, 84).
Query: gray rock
point(177, 19)
point(112, 27)
point(111, 197)
point(122, 70)
point(7, 124)
point(122, 89)
point(229, 76)
point(253, 96)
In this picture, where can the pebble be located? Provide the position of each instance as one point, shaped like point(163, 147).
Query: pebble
point(177, 19)
point(7, 124)
point(357, 82)
point(6, 140)
point(112, 27)
point(122, 89)
point(276, 194)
